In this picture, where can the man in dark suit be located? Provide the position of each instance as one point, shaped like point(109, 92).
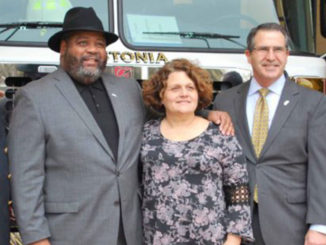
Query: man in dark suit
point(282, 129)
point(73, 144)
point(4, 182)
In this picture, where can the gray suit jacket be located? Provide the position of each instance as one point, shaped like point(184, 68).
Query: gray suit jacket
point(291, 169)
point(66, 183)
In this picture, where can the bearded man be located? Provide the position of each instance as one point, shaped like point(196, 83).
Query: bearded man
point(73, 145)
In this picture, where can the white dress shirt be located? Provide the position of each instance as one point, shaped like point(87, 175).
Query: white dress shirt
point(272, 98)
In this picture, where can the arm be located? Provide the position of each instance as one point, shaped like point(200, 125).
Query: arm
point(222, 104)
point(41, 242)
point(26, 144)
point(316, 184)
point(232, 239)
point(236, 190)
point(221, 118)
point(315, 238)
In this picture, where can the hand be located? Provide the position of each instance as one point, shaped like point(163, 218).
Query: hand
point(315, 238)
point(41, 242)
point(232, 239)
point(223, 119)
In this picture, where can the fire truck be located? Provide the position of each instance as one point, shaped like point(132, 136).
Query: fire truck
point(211, 33)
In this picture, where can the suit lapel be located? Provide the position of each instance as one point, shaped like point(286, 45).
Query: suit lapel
point(114, 93)
point(285, 106)
point(242, 122)
point(70, 93)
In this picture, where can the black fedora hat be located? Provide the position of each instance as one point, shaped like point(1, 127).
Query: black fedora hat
point(80, 19)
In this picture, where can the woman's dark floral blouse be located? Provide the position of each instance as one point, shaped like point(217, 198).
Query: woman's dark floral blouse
point(195, 191)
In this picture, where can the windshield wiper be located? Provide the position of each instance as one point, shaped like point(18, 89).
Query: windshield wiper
point(201, 35)
point(27, 25)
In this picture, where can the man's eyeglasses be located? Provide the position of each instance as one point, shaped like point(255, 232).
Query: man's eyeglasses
point(265, 50)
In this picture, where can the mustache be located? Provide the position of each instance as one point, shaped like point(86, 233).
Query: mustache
point(96, 57)
point(270, 63)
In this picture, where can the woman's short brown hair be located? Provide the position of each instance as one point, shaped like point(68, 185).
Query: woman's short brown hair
point(153, 89)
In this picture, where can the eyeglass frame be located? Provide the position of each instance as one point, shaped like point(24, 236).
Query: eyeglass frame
point(264, 50)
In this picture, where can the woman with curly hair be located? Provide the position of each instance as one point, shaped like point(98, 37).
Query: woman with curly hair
point(195, 179)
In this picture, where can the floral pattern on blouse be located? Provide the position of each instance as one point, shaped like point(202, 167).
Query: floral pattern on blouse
point(184, 188)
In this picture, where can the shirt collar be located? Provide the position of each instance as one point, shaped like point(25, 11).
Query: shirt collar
point(82, 87)
point(276, 87)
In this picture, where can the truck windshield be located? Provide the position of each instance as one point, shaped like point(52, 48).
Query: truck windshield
point(299, 21)
point(198, 24)
point(34, 21)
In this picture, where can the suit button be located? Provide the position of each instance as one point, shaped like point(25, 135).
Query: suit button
point(9, 202)
point(9, 176)
point(5, 150)
point(116, 203)
point(117, 173)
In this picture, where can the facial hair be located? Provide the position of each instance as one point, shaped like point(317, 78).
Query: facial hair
point(74, 66)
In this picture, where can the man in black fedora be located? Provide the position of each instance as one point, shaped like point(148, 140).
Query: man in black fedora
point(73, 145)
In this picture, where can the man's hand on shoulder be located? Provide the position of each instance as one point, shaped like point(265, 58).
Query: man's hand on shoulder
point(315, 238)
point(41, 242)
point(223, 119)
